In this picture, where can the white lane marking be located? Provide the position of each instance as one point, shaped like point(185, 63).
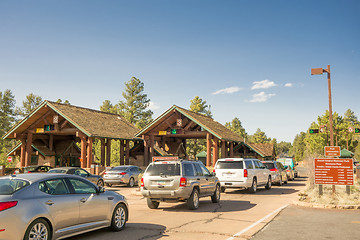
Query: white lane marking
point(256, 223)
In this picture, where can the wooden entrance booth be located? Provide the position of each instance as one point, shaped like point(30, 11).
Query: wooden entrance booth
point(55, 128)
point(170, 131)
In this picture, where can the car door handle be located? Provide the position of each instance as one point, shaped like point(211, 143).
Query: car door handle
point(110, 198)
point(49, 202)
point(83, 200)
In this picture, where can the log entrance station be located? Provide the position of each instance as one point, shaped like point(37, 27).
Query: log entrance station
point(64, 135)
point(172, 129)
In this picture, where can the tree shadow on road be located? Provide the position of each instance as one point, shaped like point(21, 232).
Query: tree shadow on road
point(207, 206)
point(137, 231)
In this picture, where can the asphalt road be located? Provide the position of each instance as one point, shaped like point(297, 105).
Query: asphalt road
point(308, 223)
point(239, 215)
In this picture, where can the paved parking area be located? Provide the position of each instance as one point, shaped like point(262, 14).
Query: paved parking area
point(298, 223)
point(238, 212)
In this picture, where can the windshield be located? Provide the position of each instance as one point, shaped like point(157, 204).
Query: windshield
point(31, 168)
point(269, 165)
point(230, 165)
point(9, 186)
point(163, 169)
point(57, 171)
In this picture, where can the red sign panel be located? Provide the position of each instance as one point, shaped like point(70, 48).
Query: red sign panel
point(9, 159)
point(334, 171)
point(332, 151)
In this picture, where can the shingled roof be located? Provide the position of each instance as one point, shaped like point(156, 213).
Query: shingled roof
point(206, 123)
point(264, 149)
point(92, 123)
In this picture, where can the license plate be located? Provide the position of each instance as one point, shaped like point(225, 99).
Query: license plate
point(161, 182)
point(228, 184)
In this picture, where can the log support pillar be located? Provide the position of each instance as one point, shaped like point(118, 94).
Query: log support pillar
point(22, 152)
point(223, 149)
point(231, 149)
point(152, 142)
point(127, 152)
point(83, 151)
point(208, 149)
point(102, 154)
point(215, 151)
point(108, 152)
point(122, 145)
point(146, 151)
point(28, 149)
point(89, 159)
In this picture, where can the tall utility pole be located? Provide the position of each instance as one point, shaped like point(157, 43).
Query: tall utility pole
point(330, 107)
point(319, 71)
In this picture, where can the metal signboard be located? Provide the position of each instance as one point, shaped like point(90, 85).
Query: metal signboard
point(9, 159)
point(334, 171)
point(162, 132)
point(332, 151)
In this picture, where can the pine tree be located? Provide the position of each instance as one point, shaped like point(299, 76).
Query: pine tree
point(236, 127)
point(135, 106)
point(29, 104)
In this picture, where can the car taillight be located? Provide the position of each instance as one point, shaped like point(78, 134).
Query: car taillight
point(273, 170)
point(182, 182)
point(105, 173)
point(28, 172)
point(142, 182)
point(214, 170)
point(245, 173)
point(6, 205)
point(122, 173)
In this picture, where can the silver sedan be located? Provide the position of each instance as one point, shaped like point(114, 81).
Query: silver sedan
point(79, 172)
point(126, 174)
point(56, 206)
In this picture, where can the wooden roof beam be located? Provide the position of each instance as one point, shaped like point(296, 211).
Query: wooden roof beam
point(43, 118)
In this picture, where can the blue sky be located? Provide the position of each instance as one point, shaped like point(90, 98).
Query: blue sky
point(247, 59)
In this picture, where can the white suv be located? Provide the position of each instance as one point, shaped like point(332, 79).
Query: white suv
point(242, 173)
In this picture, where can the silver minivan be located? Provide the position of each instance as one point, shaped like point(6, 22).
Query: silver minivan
point(242, 173)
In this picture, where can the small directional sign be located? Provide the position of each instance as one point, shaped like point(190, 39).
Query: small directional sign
point(332, 151)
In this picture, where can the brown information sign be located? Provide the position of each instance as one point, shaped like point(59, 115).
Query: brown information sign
point(334, 171)
point(332, 151)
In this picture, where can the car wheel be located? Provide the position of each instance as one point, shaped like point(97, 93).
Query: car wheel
point(152, 204)
point(100, 183)
point(131, 182)
point(119, 218)
point(268, 185)
point(215, 198)
point(286, 180)
point(223, 189)
point(253, 187)
point(38, 229)
point(193, 201)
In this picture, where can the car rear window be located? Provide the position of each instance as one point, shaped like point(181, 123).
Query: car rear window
point(9, 186)
point(169, 169)
point(57, 171)
point(269, 165)
point(230, 165)
point(119, 169)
